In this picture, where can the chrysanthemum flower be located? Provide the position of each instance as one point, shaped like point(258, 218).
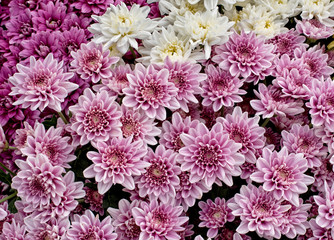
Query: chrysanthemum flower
point(160, 179)
point(258, 211)
point(221, 88)
point(323, 174)
point(123, 220)
point(92, 63)
point(150, 91)
point(314, 29)
point(322, 10)
point(326, 136)
point(13, 230)
point(96, 6)
point(3, 141)
point(38, 182)
point(89, 226)
point(210, 156)
point(20, 140)
point(95, 200)
point(20, 27)
point(244, 130)
point(245, 55)
point(97, 117)
point(122, 26)
point(214, 215)
point(54, 229)
point(302, 139)
point(51, 144)
point(159, 221)
point(42, 84)
point(319, 232)
point(283, 174)
point(325, 218)
point(117, 161)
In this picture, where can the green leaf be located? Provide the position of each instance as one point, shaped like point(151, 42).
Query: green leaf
point(49, 122)
point(6, 178)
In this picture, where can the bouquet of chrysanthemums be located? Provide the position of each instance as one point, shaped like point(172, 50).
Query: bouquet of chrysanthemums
point(166, 119)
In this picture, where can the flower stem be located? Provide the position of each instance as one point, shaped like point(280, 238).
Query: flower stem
point(265, 122)
point(7, 169)
point(61, 115)
point(12, 148)
point(8, 197)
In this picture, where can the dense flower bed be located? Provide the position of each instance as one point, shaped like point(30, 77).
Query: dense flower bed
point(166, 119)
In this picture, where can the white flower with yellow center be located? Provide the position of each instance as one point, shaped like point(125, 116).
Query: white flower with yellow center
point(202, 29)
point(282, 8)
point(323, 10)
point(122, 26)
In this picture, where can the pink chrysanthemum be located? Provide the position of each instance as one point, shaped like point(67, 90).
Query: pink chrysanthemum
point(161, 176)
point(258, 211)
point(96, 117)
point(326, 136)
point(302, 139)
point(54, 229)
point(20, 27)
point(186, 76)
point(159, 221)
point(210, 156)
point(97, 7)
point(221, 89)
point(13, 231)
point(92, 63)
point(283, 174)
point(95, 200)
point(51, 144)
point(139, 126)
point(42, 84)
point(323, 173)
point(123, 220)
point(117, 161)
point(214, 215)
point(21, 137)
point(89, 226)
point(171, 131)
point(319, 232)
point(271, 102)
point(321, 103)
point(244, 130)
point(325, 219)
point(314, 29)
point(245, 55)
point(150, 90)
point(3, 141)
point(38, 182)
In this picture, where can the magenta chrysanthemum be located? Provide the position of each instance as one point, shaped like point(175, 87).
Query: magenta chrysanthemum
point(117, 161)
point(221, 89)
point(96, 6)
point(150, 90)
point(283, 174)
point(210, 155)
point(245, 55)
point(244, 130)
point(89, 226)
point(42, 84)
point(258, 211)
point(159, 221)
point(161, 177)
point(214, 215)
point(96, 117)
point(92, 63)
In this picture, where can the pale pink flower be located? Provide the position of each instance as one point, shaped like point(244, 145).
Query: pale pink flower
point(21, 136)
point(314, 29)
point(159, 221)
point(326, 136)
point(150, 90)
point(118, 160)
point(325, 219)
point(283, 174)
point(13, 231)
point(323, 173)
point(97, 117)
point(320, 233)
point(3, 141)
point(54, 229)
point(42, 84)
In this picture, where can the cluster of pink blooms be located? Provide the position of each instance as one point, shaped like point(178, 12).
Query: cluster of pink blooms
point(100, 144)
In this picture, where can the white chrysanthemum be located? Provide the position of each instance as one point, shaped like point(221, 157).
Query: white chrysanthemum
point(282, 8)
point(167, 43)
point(122, 26)
point(201, 28)
point(260, 20)
point(320, 9)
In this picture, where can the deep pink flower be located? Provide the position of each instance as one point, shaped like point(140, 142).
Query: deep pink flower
point(38, 182)
point(283, 174)
point(214, 215)
point(20, 27)
point(210, 156)
point(19, 6)
point(221, 89)
point(258, 211)
point(302, 139)
point(325, 219)
point(92, 63)
point(95, 200)
point(96, 117)
point(150, 90)
point(159, 221)
point(118, 161)
point(245, 55)
point(314, 29)
point(160, 179)
point(89, 226)
point(186, 76)
point(97, 7)
point(42, 84)
point(244, 130)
